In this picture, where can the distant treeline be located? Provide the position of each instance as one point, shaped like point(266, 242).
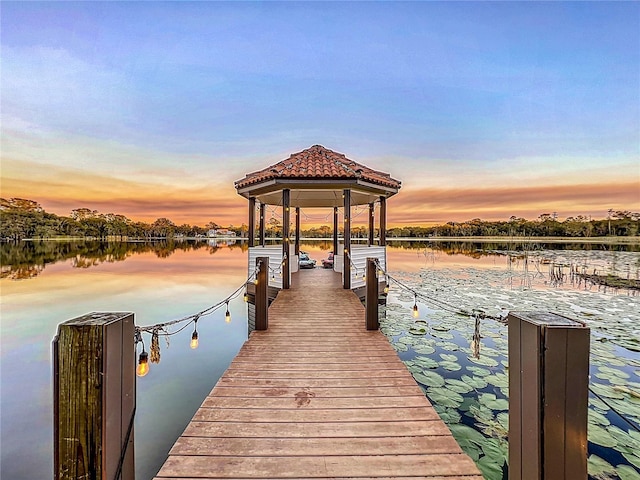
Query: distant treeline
point(21, 218)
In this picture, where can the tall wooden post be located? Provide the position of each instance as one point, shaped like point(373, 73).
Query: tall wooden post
point(371, 224)
point(335, 231)
point(548, 396)
point(346, 266)
point(297, 231)
point(286, 219)
point(371, 299)
point(383, 221)
point(94, 397)
point(262, 293)
point(252, 220)
point(261, 233)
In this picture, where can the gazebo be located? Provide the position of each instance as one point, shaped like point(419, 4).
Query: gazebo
point(317, 177)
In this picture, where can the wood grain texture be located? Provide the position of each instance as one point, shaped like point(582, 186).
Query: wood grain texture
point(317, 396)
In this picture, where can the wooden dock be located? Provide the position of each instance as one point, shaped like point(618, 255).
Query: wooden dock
point(317, 396)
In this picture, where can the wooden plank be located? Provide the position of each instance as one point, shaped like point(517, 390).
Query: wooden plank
point(413, 477)
point(318, 466)
point(316, 429)
point(205, 414)
point(259, 447)
point(308, 402)
point(398, 381)
point(354, 392)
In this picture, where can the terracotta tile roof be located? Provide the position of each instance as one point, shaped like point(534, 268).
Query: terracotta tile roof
point(318, 162)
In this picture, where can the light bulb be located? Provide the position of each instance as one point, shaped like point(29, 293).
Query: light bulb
point(386, 288)
point(255, 282)
point(364, 277)
point(415, 310)
point(246, 297)
point(194, 340)
point(227, 316)
point(143, 364)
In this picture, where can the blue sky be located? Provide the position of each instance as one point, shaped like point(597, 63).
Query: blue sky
point(153, 100)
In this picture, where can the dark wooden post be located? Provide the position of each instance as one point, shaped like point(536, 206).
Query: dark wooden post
point(371, 299)
point(94, 397)
point(383, 221)
point(252, 220)
point(286, 219)
point(261, 233)
point(335, 231)
point(262, 293)
point(371, 224)
point(346, 266)
point(548, 396)
point(297, 230)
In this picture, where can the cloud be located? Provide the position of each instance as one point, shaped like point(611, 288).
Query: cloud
point(424, 205)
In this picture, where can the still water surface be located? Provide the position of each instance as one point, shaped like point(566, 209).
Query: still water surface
point(48, 283)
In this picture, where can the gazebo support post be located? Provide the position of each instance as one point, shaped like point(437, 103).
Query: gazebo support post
point(335, 231)
point(383, 221)
point(346, 267)
point(286, 269)
point(262, 212)
point(297, 230)
point(252, 220)
point(371, 224)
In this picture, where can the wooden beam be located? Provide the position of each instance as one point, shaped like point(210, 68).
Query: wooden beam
point(371, 224)
point(346, 267)
point(335, 231)
point(261, 233)
point(371, 299)
point(252, 220)
point(297, 231)
point(383, 221)
point(286, 219)
point(261, 295)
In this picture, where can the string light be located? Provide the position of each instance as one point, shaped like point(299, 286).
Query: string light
point(386, 288)
point(194, 336)
point(143, 363)
point(245, 297)
point(416, 313)
point(227, 315)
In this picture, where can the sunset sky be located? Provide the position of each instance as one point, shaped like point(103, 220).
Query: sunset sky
point(482, 110)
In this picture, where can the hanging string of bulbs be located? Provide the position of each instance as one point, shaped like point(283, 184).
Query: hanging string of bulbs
point(433, 301)
point(163, 329)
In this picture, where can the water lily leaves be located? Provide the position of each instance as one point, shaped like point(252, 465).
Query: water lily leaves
point(429, 378)
point(451, 366)
point(499, 380)
point(605, 391)
point(426, 362)
point(477, 382)
point(448, 415)
point(598, 467)
point(479, 371)
point(598, 418)
point(424, 349)
point(444, 396)
point(490, 401)
point(632, 458)
point(458, 385)
point(600, 436)
point(490, 470)
point(486, 361)
point(448, 357)
point(625, 472)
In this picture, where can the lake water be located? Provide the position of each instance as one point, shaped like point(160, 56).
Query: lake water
point(45, 284)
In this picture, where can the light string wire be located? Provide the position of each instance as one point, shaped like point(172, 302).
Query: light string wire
point(482, 315)
point(161, 328)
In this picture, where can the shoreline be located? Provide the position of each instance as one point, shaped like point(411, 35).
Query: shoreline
point(593, 240)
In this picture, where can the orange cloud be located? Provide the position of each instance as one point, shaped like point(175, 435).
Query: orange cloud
point(429, 205)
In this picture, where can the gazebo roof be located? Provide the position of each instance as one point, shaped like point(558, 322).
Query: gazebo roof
point(316, 177)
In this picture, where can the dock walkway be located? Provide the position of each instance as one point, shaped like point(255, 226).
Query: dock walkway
point(317, 396)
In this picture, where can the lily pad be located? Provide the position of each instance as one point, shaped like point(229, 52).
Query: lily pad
point(430, 379)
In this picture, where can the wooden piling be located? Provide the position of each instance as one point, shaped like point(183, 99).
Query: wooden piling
point(548, 397)
point(371, 309)
point(94, 397)
point(262, 293)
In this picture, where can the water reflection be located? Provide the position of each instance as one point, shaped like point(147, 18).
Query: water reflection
point(28, 259)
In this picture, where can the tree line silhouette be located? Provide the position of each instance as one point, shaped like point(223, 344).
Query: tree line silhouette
point(23, 218)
